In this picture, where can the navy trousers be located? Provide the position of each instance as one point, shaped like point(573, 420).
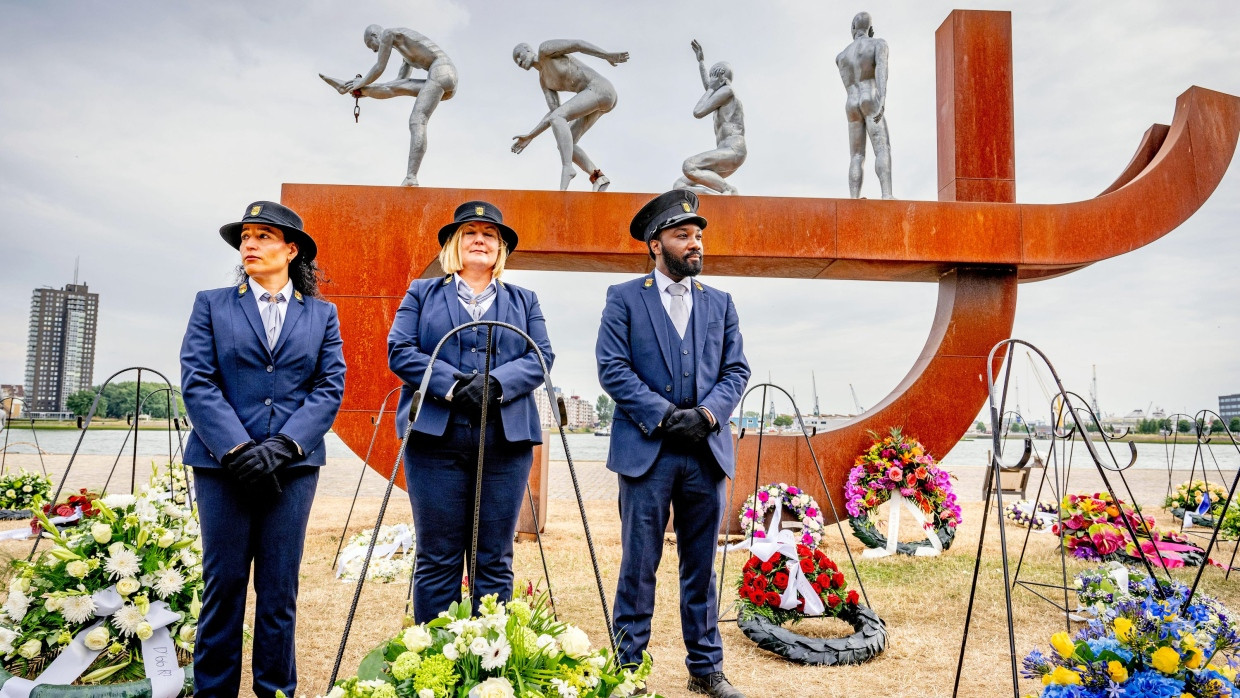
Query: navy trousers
point(243, 525)
point(694, 486)
point(440, 475)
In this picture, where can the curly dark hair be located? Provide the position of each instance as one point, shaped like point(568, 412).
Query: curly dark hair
point(306, 276)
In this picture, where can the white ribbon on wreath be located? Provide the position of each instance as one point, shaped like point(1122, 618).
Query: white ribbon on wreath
point(158, 653)
point(784, 542)
point(403, 542)
point(24, 532)
point(893, 530)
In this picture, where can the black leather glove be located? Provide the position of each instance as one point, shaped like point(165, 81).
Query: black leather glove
point(265, 459)
point(469, 390)
point(690, 425)
point(230, 459)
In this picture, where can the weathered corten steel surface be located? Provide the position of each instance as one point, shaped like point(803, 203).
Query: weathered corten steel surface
point(977, 249)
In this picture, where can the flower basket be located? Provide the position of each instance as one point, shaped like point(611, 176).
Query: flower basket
point(1189, 496)
point(122, 586)
point(898, 464)
point(869, 640)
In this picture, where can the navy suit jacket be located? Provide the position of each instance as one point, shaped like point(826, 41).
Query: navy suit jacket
point(430, 310)
point(237, 389)
point(634, 354)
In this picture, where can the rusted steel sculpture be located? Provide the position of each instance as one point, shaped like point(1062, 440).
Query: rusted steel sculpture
point(974, 242)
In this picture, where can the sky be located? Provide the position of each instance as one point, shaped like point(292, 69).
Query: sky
point(129, 132)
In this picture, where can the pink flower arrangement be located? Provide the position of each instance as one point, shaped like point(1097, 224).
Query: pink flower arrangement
point(901, 464)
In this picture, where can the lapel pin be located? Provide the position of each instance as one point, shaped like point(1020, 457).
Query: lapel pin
point(648, 284)
point(297, 295)
point(699, 286)
point(446, 279)
point(241, 291)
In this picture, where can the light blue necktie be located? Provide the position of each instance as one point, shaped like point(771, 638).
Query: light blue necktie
point(271, 317)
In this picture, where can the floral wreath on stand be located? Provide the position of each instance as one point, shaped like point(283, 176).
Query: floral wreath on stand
point(900, 464)
point(18, 490)
point(1188, 498)
point(1094, 529)
point(798, 501)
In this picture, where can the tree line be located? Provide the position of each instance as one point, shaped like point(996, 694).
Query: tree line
point(122, 400)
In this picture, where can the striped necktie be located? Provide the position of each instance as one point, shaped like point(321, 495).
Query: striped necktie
point(271, 317)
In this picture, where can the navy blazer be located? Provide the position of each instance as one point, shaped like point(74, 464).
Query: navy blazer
point(634, 354)
point(237, 389)
point(430, 310)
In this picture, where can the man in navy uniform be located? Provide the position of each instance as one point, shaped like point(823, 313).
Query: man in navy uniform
point(669, 353)
point(262, 374)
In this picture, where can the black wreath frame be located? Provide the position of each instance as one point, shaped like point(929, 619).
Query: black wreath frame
point(1198, 519)
point(867, 533)
point(867, 642)
point(14, 514)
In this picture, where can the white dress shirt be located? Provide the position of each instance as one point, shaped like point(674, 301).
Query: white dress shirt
point(484, 305)
point(281, 308)
point(662, 281)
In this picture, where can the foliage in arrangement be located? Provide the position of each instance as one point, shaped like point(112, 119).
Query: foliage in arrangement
point(19, 488)
point(1044, 515)
point(757, 506)
point(897, 463)
point(770, 588)
point(1142, 644)
point(391, 560)
point(144, 548)
point(513, 650)
point(1189, 496)
point(1230, 528)
point(1094, 529)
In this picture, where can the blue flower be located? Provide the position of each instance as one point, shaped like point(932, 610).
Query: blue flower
point(1059, 691)
point(1151, 684)
point(1034, 665)
point(1103, 644)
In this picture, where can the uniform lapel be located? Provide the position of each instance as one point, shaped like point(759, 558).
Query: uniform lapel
point(654, 306)
point(502, 303)
point(291, 314)
point(700, 317)
point(249, 307)
point(447, 289)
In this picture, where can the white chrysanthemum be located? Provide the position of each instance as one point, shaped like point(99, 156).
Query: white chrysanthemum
point(123, 562)
point(188, 558)
point(78, 608)
point(127, 619)
point(168, 582)
point(16, 605)
point(119, 501)
point(7, 637)
point(496, 654)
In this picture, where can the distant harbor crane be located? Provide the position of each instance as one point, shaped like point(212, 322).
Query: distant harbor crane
point(856, 402)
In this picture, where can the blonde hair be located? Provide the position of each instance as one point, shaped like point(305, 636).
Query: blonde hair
point(450, 255)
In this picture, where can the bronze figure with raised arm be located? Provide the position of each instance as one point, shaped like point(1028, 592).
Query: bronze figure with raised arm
point(863, 68)
point(594, 96)
point(705, 172)
point(416, 51)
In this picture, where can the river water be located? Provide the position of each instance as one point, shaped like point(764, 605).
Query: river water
point(588, 447)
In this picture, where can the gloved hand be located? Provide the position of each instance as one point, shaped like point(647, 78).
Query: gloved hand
point(230, 459)
point(469, 391)
point(689, 425)
point(265, 459)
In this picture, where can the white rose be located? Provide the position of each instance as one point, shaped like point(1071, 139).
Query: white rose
point(450, 652)
point(495, 687)
point(547, 644)
point(574, 642)
point(127, 586)
point(478, 647)
point(10, 493)
point(188, 633)
point(426, 693)
point(116, 548)
point(77, 568)
point(27, 488)
point(98, 639)
point(167, 539)
point(101, 532)
point(53, 604)
point(144, 631)
point(416, 638)
point(31, 649)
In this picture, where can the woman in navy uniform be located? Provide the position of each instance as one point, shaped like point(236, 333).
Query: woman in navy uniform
point(262, 374)
point(441, 459)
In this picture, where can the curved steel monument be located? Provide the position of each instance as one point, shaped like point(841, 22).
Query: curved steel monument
point(975, 242)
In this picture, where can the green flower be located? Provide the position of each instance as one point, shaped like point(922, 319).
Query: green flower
point(436, 674)
point(405, 665)
point(520, 610)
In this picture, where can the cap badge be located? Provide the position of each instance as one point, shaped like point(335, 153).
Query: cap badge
point(479, 210)
point(255, 210)
point(685, 206)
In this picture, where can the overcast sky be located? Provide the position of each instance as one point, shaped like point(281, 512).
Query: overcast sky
point(129, 132)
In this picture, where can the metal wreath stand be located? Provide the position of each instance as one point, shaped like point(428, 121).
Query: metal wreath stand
point(1062, 405)
point(418, 398)
point(870, 637)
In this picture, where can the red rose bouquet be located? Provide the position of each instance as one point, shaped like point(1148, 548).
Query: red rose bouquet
point(764, 586)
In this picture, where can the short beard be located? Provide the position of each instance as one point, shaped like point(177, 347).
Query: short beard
point(679, 267)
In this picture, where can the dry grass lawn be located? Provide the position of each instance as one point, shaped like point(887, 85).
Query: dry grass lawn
point(923, 601)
